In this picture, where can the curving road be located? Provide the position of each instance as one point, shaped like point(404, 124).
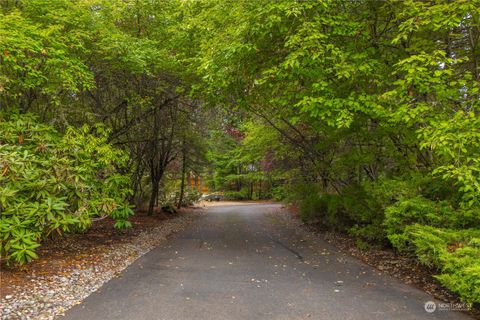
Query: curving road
point(244, 262)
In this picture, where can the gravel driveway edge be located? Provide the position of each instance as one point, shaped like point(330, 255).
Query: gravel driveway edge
point(50, 296)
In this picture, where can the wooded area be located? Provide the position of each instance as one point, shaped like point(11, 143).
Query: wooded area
point(364, 113)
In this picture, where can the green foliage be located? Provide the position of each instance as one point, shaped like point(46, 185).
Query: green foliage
point(53, 184)
point(439, 236)
point(326, 211)
point(41, 47)
point(411, 211)
point(313, 208)
point(366, 113)
point(237, 195)
point(426, 212)
point(191, 197)
point(243, 158)
point(455, 253)
point(279, 193)
point(169, 207)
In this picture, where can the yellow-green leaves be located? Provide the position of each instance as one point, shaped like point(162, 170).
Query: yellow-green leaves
point(41, 45)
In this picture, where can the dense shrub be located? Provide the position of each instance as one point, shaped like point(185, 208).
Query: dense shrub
point(169, 207)
point(365, 214)
point(411, 211)
point(461, 267)
point(190, 197)
point(237, 195)
point(426, 212)
point(52, 183)
point(326, 211)
point(354, 210)
point(313, 209)
point(455, 253)
point(439, 235)
point(436, 189)
point(297, 192)
point(384, 207)
point(278, 193)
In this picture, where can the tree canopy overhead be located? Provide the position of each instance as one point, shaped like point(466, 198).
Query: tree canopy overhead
point(364, 113)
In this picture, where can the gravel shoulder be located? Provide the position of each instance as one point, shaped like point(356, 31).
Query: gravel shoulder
point(71, 268)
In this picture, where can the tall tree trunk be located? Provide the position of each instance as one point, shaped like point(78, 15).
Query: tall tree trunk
point(153, 196)
point(184, 170)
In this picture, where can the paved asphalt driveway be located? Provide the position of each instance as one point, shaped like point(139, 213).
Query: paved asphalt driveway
point(243, 262)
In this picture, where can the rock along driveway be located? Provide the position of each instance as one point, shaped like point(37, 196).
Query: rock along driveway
point(245, 262)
